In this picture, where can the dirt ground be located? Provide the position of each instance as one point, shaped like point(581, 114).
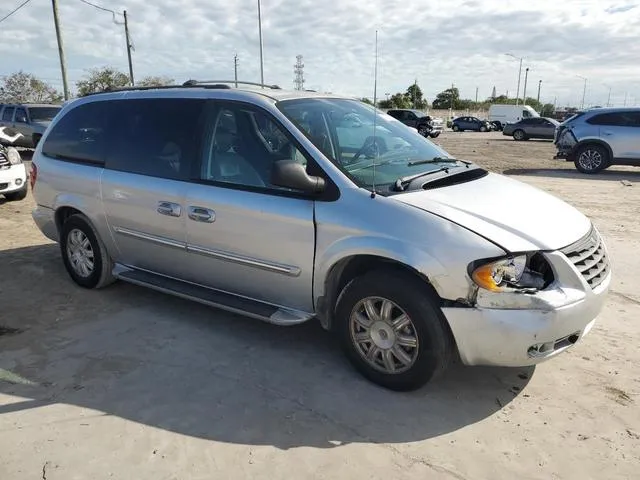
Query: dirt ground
point(127, 383)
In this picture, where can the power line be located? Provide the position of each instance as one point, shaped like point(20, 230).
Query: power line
point(112, 12)
point(14, 11)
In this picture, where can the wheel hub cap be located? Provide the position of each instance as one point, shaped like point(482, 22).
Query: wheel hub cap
point(590, 159)
point(80, 253)
point(384, 335)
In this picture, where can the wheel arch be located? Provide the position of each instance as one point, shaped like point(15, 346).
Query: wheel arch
point(593, 141)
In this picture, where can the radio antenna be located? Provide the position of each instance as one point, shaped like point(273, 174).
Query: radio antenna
point(375, 114)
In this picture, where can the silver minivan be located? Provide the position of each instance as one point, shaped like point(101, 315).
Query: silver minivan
point(291, 206)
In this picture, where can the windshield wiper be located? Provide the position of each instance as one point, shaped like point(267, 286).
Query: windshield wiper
point(438, 160)
point(402, 183)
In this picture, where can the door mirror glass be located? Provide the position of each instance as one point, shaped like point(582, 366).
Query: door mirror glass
point(291, 174)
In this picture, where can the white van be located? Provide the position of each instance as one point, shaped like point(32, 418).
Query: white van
point(504, 114)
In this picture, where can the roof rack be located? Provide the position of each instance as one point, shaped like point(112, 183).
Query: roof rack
point(192, 83)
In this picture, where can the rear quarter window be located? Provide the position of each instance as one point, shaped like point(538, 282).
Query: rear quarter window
point(80, 135)
point(620, 119)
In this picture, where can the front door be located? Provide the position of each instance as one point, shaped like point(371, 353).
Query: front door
point(245, 235)
point(154, 143)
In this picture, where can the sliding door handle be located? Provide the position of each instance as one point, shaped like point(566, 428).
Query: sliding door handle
point(169, 208)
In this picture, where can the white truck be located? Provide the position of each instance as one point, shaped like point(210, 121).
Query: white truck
point(500, 115)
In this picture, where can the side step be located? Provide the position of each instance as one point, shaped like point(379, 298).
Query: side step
point(214, 298)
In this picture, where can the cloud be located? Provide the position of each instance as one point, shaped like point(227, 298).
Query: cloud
point(460, 42)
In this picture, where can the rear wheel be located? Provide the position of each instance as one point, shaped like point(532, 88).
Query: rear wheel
point(83, 253)
point(392, 330)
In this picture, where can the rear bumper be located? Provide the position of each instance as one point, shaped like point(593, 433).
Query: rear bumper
point(44, 219)
point(13, 179)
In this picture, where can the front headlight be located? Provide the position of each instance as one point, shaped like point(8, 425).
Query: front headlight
point(14, 156)
point(520, 273)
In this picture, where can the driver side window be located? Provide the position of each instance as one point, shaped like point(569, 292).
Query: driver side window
point(242, 145)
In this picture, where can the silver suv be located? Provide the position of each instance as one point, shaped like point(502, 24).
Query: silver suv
point(600, 137)
point(25, 123)
point(288, 206)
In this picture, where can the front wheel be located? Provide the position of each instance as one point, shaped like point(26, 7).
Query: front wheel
point(423, 130)
point(434, 135)
point(519, 135)
point(455, 128)
point(591, 159)
point(483, 128)
point(392, 330)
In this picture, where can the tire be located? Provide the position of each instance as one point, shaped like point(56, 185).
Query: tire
point(519, 135)
point(16, 196)
point(427, 329)
point(592, 158)
point(434, 135)
point(423, 130)
point(100, 274)
point(483, 128)
point(455, 128)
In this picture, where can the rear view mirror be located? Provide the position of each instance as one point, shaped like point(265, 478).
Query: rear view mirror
point(290, 174)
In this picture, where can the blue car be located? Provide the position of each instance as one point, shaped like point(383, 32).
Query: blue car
point(461, 124)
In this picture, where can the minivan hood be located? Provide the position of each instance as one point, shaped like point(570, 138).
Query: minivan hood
point(512, 214)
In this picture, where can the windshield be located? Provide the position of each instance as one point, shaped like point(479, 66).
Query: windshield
point(344, 131)
point(43, 114)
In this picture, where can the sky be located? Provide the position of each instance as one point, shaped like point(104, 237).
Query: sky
point(436, 42)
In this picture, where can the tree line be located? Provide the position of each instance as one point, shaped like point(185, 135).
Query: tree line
point(22, 87)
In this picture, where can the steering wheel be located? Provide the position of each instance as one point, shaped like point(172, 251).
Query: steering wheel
point(371, 147)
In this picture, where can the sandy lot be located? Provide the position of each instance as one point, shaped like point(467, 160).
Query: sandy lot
point(126, 383)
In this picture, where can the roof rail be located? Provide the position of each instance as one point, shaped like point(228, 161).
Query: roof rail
point(192, 83)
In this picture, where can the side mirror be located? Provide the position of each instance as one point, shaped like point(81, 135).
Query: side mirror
point(291, 174)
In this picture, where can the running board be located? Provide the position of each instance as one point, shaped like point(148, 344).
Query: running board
point(214, 298)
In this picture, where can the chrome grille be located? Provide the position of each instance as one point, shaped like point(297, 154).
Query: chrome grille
point(590, 258)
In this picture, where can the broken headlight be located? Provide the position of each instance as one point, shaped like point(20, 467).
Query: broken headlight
point(520, 273)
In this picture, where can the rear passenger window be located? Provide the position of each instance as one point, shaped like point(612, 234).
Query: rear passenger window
point(159, 137)
point(619, 119)
point(80, 135)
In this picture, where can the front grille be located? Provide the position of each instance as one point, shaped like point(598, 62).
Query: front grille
point(4, 162)
point(590, 258)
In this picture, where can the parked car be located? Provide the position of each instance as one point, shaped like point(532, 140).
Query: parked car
point(28, 120)
point(461, 124)
point(504, 114)
point(426, 126)
point(598, 138)
point(255, 202)
point(13, 174)
point(539, 127)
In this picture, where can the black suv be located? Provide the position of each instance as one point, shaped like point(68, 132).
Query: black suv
point(422, 122)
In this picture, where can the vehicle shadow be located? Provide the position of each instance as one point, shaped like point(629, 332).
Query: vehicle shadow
point(610, 174)
point(175, 365)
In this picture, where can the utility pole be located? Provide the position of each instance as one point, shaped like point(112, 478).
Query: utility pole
point(260, 34)
point(539, 85)
point(415, 88)
point(63, 65)
point(235, 69)
point(126, 34)
point(609, 97)
point(524, 93)
point(625, 99)
point(476, 95)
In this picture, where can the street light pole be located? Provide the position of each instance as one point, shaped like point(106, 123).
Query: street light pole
point(126, 33)
point(539, 85)
point(609, 96)
point(260, 33)
point(63, 64)
point(524, 93)
point(584, 90)
point(519, 75)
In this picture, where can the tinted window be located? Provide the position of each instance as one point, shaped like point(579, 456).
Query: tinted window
point(7, 115)
point(526, 114)
point(43, 114)
point(394, 113)
point(80, 135)
point(159, 137)
point(620, 119)
point(242, 145)
point(21, 115)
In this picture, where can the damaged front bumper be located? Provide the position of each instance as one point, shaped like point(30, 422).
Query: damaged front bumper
point(565, 143)
point(515, 329)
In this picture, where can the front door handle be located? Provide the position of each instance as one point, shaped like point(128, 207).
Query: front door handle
point(169, 208)
point(201, 214)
